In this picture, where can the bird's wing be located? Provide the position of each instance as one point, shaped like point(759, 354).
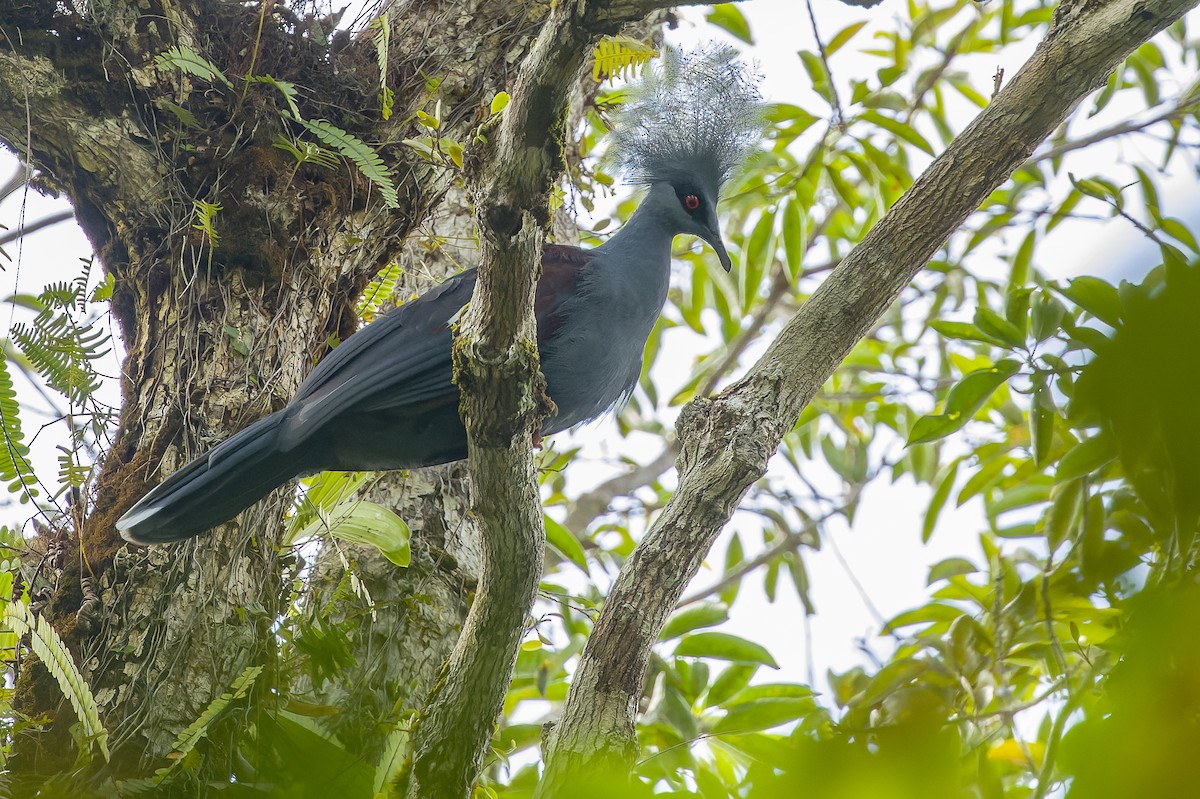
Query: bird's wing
point(403, 358)
point(400, 359)
point(563, 268)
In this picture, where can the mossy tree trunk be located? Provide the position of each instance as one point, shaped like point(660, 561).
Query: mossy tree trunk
point(218, 336)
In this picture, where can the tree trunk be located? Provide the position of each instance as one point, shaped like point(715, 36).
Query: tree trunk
point(217, 336)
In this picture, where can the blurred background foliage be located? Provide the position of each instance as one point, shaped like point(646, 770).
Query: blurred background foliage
point(1055, 656)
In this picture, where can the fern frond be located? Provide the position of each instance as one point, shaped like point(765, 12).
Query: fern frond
point(15, 468)
point(206, 213)
point(59, 348)
point(53, 653)
point(362, 154)
point(187, 740)
point(306, 152)
point(395, 747)
point(381, 34)
point(619, 57)
point(191, 62)
point(378, 291)
point(286, 88)
point(71, 473)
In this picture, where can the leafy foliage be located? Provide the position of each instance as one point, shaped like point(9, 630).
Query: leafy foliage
point(189, 737)
point(1042, 419)
point(188, 60)
point(61, 344)
point(15, 468)
point(365, 158)
point(619, 57)
point(52, 652)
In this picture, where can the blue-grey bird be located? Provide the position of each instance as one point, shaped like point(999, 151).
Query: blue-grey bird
point(384, 398)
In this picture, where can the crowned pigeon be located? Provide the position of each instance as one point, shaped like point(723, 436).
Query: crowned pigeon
point(385, 399)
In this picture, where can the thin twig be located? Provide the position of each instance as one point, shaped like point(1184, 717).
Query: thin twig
point(790, 541)
point(34, 227)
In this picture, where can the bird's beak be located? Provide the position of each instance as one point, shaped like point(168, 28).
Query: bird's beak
point(712, 235)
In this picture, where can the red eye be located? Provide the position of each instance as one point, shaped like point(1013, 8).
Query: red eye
point(691, 202)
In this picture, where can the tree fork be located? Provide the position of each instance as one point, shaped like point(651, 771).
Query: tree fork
point(1086, 40)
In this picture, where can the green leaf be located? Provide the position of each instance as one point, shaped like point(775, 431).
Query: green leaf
point(926, 614)
point(363, 155)
point(1042, 415)
point(363, 522)
point(794, 238)
point(993, 324)
point(950, 567)
point(1046, 316)
point(729, 683)
point(1095, 296)
point(898, 129)
point(1063, 515)
point(1019, 275)
point(1085, 457)
point(771, 690)
point(188, 60)
point(707, 614)
point(565, 543)
point(940, 494)
point(619, 56)
point(724, 646)
point(759, 252)
point(286, 88)
point(964, 331)
point(963, 402)
point(499, 102)
point(1178, 231)
point(734, 556)
point(729, 17)
point(841, 37)
point(816, 74)
point(57, 659)
point(763, 714)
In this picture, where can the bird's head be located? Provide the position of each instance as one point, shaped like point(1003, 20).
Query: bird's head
point(684, 129)
point(687, 206)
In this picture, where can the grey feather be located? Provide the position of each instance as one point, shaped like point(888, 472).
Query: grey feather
point(694, 114)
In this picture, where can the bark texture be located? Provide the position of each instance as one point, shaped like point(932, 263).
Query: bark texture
point(504, 401)
point(726, 441)
point(219, 334)
point(216, 337)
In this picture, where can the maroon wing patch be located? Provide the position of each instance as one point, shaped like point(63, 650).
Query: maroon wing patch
point(562, 268)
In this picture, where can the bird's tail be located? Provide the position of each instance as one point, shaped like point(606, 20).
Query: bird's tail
point(214, 487)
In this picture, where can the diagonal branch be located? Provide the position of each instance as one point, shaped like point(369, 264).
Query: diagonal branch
point(726, 441)
point(503, 399)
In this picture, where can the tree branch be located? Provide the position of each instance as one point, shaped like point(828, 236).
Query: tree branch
point(503, 400)
point(726, 442)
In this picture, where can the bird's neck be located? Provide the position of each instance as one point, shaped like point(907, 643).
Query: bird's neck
point(642, 248)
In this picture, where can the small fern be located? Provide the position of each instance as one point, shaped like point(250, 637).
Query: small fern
point(206, 213)
point(61, 347)
point(286, 88)
point(306, 152)
point(378, 291)
point(364, 157)
point(71, 473)
point(191, 62)
point(381, 38)
point(187, 740)
point(53, 654)
point(619, 57)
point(15, 468)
